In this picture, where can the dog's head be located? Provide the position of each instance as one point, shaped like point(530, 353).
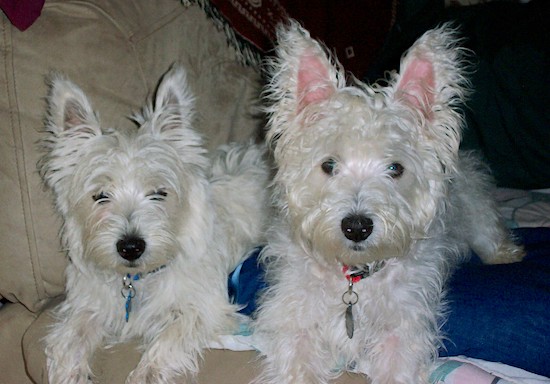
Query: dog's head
point(126, 198)
point(363, 169)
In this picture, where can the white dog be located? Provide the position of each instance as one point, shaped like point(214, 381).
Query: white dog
point(152, 227)
point(375, 207)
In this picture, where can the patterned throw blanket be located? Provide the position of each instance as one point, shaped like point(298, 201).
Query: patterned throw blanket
point(355, 30)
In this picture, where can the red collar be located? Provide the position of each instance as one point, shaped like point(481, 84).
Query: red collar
point(357, 273)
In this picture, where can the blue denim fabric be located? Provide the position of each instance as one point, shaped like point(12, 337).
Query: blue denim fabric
point(502, 312)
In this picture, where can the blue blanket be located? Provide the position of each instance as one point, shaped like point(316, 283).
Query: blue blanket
point(497, 312)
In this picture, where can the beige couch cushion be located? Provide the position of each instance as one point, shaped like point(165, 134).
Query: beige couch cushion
point(111, 366)
point(14, 321)
point(116, 51)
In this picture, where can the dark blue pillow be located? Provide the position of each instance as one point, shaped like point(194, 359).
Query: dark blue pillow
point(246, 282)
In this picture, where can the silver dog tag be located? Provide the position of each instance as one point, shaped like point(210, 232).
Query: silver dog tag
point(349, 321)
point(350, 298)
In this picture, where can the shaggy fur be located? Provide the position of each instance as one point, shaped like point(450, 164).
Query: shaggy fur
point(368, 177)
point(148, 206)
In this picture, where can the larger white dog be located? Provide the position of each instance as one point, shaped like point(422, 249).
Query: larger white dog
point(375, 208)
point(152, 227)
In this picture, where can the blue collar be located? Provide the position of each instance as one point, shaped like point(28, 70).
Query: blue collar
point(128, 290)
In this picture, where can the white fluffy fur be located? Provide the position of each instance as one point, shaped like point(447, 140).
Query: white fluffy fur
point(424, 220)
point(198, 216)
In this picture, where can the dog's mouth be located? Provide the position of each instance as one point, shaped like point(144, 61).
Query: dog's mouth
point(141, 266)
point(132, 264)
point(131, 267)
point(358, 247)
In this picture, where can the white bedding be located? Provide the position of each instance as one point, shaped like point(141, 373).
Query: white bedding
point(505, 373)
point(524, 209)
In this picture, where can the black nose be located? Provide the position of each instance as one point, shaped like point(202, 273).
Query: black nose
point(130, 247)
point(357, 227)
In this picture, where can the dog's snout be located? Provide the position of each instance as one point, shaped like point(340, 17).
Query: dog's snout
point(131, 247)
point(357, 227)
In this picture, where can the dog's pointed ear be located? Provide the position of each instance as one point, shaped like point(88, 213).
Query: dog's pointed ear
point(170, 117)
point(417, 84)
point(432, 82)
point(174, 103)
point(302, 75)
point(301, 71)
point(313, 80)
point(68, 109)
point(71, 124)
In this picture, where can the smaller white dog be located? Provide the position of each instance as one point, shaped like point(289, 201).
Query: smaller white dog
point(152, 228)
point(375, 208)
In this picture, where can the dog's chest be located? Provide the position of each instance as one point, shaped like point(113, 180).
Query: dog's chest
point(351, 304)
point(346, 319)
point(135, 301)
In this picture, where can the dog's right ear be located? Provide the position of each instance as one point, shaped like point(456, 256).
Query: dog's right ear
point(69, 110)
point(301, 71)
point(301, 75)
point(70, 123)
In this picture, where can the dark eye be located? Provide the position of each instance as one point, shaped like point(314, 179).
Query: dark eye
point(329, 167)
point(101, 198)
point(159, 195)
point(396, 170)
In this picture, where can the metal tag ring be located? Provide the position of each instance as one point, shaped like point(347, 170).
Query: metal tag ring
point(131, 292)
point(350, 297)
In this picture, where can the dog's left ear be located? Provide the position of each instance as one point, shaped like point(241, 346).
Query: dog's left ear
point(174, 102)
point(431, 82)
point(171, 114)
point(173, 93)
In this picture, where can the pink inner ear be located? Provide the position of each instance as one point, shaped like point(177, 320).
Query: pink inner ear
point(73, 115)
point(314, 84)
point(418, 83)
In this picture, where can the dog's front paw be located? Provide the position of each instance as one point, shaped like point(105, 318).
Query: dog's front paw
point(70, 378)
point(507, 252)
point(59, 374)
point(155, 375)
point(142, 375)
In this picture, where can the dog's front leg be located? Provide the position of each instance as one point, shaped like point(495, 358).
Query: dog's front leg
point(69, 347)
point(174, 352)
point(295, 357)
point(401, 356)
